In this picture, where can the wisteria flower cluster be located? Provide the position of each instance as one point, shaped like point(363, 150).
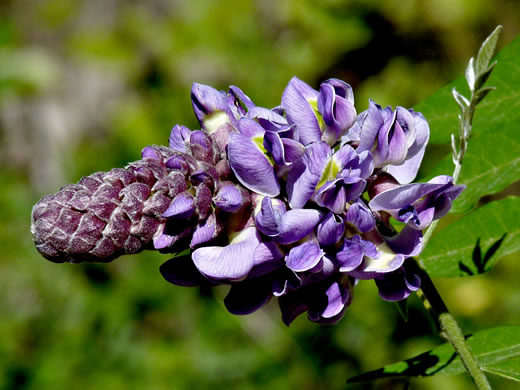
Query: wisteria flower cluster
point(299, 202)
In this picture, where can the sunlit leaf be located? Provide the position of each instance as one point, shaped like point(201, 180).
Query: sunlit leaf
point(474, 243)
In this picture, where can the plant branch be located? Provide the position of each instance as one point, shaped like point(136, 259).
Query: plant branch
point(449, 329)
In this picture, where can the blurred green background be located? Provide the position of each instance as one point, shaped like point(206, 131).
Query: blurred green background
point(84, 85)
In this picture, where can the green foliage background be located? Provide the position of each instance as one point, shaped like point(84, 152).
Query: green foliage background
point(84, 85)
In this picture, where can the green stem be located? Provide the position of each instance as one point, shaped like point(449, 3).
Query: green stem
point(449, 329)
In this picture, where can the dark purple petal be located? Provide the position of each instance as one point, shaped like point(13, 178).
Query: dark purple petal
point(293, 150)
point(333, 195)
point(391, 144)
point(248, 296)
point(202, 147)
point(251, 166)
point(408, 242)
point(268, 119)
point(207, 101)
point(250, 128)
point(350, 255)
point(359, 215)
point(273, 144)
point(338, 298)
point(330, 230)
point(206, 231)
point(398, 285)
point(213, 113)
point(182, 272)
point(239, 102)
point(304, 257)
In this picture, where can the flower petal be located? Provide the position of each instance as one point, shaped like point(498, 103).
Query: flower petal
point(306, 173)
point(182, 206)
point(228, 198)
point(251, 166)
point(304, 257)
point(232, 262)
point(295, 101)
point(182, 272)
point(338, 297)
point(179, 137)
point(297, 224)
point(248, 296)
point(330, 230)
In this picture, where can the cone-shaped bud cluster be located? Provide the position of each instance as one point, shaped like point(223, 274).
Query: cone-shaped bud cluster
point(170, 199)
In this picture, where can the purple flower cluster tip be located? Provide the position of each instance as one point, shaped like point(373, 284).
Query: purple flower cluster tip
point(298, 202)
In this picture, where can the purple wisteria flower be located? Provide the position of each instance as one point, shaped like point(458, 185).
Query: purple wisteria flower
point(293, 203)
point(396, 139)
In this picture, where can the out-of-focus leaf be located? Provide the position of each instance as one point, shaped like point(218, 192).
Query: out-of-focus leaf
point(492, 161)
point(474, 243)
point(493, 348)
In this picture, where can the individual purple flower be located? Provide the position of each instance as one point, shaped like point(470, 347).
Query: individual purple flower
point(353, 251)
point(330, 230)
point(324, 115)
point(325, 302)
point(336, 105)
point(285, 227)
point(390, 254)
point(213, 113)
point(331, 180)
point(397, 139)
point(398, 285)
point(251, 163)
point(238, 102)
point(418, 204)
point(359, 218)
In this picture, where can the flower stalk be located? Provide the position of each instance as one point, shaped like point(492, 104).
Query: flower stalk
point(477, 73)
point(449, 329)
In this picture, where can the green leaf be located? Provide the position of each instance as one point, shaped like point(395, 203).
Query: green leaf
point(492, 160)
point(492, 349)
point(474, 243)
point(487, 51)
point(509, 369)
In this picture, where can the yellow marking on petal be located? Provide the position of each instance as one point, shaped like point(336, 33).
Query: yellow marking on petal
point(329, 173)
point(259, 142)
point(314, 106)
point(213, 121)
